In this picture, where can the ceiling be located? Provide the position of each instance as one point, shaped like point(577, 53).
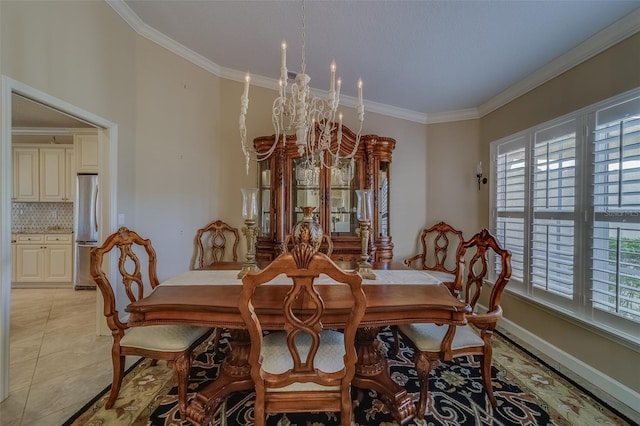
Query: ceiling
point(421, 60)
point(417, 58)
point(33, 122)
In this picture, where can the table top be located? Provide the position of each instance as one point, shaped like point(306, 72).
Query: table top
point(210, 297)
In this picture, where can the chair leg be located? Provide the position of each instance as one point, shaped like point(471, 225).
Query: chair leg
point(118, 374)
point(423, 367)
point(182, 365)
point(258, 411)
point(345, 409)
point(485, 366)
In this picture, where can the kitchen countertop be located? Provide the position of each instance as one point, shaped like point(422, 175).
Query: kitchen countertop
point(43, 231)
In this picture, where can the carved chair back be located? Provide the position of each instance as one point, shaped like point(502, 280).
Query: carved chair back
point(439, 244)
point(476, 253)
point(216, 242)
point(130, 247)
point(326, 246)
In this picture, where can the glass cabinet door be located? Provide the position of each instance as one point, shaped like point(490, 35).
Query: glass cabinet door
point(343, 183)
point(383, 199)
point(305, 189)
point(265, 199)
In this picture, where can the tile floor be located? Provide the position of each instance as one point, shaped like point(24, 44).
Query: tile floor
point(58, 363)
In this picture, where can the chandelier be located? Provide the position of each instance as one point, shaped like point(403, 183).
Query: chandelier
point(311, 118)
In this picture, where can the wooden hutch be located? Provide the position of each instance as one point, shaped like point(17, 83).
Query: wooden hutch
point(285, 186)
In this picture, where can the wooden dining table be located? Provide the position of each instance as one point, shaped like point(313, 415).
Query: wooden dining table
point(210, 297)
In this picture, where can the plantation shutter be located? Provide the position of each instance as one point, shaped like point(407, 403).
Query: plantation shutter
point(553, 204)
point(511, 202)
point(615, 231)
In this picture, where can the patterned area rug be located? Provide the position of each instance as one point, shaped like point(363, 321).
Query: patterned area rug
point(528, 393)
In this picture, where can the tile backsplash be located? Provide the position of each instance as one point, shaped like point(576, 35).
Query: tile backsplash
point(40, 216)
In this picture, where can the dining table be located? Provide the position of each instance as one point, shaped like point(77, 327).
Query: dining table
point(209, 298)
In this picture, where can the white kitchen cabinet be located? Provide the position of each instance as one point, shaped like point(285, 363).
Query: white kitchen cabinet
point(26, 172)
point(86, 151)
point(44, 258)
point(52, 174)
point(43, 174)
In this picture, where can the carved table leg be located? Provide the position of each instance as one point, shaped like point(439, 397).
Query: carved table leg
point(372, 372)
point(234, 376)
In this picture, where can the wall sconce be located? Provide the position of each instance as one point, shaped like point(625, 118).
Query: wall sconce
point(363, 214)
point(249, 214)
point(479, 175)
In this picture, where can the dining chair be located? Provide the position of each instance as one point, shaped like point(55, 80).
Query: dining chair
point(216, 242)
point(440, 244)
point(439, 256)
point(435, 342)
point(306, 367)
point(172, 343)
point(326, 246)
point(216, 245)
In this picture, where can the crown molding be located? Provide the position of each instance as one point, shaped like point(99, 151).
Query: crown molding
point(613, 34)
point(458, 115)
point(616, 32)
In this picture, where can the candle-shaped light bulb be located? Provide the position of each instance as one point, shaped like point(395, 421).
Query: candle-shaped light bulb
point(340, 120)
point(479, 169)
point(332, 81)
point(284, 54)
point(360, 91)
point(247, 79)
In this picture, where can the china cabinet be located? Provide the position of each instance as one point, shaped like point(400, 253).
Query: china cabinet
point(287, 184)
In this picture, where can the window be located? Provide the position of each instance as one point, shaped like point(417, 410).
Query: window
point(566, 203)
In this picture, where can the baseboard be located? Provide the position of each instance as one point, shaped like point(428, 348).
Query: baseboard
point(610, 391)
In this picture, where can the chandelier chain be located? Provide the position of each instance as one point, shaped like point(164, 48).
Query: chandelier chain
point(304, 39)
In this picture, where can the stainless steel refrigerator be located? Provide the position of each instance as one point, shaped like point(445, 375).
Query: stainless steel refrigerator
point(86, 231)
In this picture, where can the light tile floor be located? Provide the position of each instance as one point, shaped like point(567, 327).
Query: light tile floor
point(58, 363)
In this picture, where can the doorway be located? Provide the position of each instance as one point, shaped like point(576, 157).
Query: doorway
point(107, 145)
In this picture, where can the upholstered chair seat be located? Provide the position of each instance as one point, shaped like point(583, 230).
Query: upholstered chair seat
point(428, 337)
point(165, 338)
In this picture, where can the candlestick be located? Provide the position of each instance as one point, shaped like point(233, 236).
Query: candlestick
point(250, 231)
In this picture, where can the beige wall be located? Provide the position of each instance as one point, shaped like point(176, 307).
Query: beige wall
point(610, 73)
point(452, 188)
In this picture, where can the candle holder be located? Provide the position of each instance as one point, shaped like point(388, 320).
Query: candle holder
point(250, 231)
point(363, 214)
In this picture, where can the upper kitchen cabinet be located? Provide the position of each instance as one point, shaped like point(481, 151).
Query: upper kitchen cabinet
point(43, 174)
point(86, 152)
point(26, 174)
point(287, 184)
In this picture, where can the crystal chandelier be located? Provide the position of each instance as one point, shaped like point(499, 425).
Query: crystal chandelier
point(312, 119)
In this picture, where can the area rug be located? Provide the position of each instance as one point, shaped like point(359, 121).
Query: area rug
point(527, 391)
